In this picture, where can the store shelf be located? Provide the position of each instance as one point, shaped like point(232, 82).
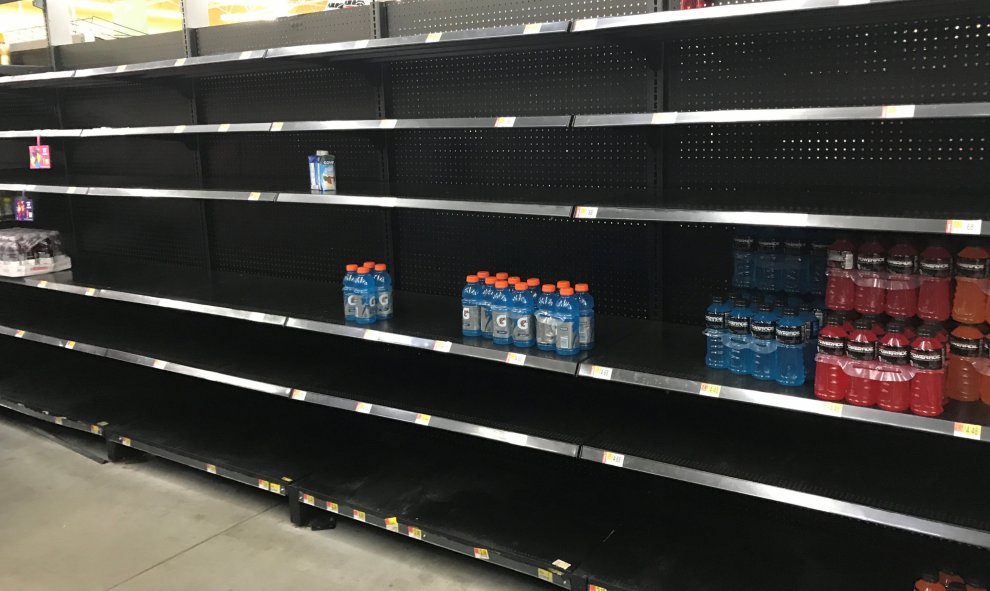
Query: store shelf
point(434, 204)
point(11, 70)
point(40, 133)
point(227, 63)
point(55, 189)
point(182, 194)
point(869, 113)
point(670, 357)
point(35, 80)
point(773, 218)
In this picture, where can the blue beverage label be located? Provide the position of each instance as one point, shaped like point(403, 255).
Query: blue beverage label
point(351, 304)
point(522, 329)
point(500, 325)
point(385, 303)
point(486, 320)
point(367, 308)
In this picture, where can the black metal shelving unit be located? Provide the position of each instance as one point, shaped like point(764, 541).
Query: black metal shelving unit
point(617, 142)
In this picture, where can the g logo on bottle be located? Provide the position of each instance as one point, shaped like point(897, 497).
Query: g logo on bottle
point(502, 321)
point(523, 323)
point(384, 300)
point(466, 313)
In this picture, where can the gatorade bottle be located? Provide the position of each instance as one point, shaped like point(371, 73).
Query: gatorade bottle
point(934, 267)
point(534, 287)
point(983, 365)
point(586, 331)
point(521, 311)
point(948, 576)
point(862, 350)
point(546, 333)
point(567, 314)
point(902, 288)
point(513, 281)
point(894, 387)
point(350, 300)
point(940, 334)
point(366, 290)
point(742, 260)
point(790, 349)
point(817, 267)
point(831, 381)
point(501, 276)
point(928, 360)
point(715, 332)
point(740, 354)
point(471, 308)
point(928, 582)
point(482, 275)
point(487, 293)
point(766, 266)
point(794, 266)
point(871, 289)
point(840, 289)
point(963, 380)
point(562, 284)
point(370, 265)
point(763, 343)
point(970, 303)
point(501, 328)
point(811, 328)
point(384, 282)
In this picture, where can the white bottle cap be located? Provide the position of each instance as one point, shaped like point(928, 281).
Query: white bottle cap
point(322, 153)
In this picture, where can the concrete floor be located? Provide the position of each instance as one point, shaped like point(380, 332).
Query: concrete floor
point(68, 522)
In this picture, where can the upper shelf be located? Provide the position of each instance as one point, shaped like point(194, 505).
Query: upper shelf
point(757, 16)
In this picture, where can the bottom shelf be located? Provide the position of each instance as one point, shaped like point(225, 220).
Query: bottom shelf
point(578, 525)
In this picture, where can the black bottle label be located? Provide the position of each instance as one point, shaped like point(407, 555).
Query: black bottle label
point(862, 350)
point(831, 345)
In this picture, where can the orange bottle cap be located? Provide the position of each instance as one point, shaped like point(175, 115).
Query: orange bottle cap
point(472, 278)
point(513, 280)
point(581, 288)
point(563, 283)
point(567, 291)
point(533, 281)
point(490, 280)
point(351, 268)
point(549, 288)
point(522, 286)
point(501, 284)
point(369, 264)
point(381, 267)
point(363, 271)
point(501, 276)
point(482, 274)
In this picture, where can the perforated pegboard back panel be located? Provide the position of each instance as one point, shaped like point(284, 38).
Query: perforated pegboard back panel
point(14, 162)
point(924, 61)
point(34, 110)
point(136, 231)
point(436, 249)
point(411, 17)
point(134, 161)
point(556, 81)
point(128, 50)
point(705, 249)
point(920, 168)
point(130, 105)
point(317, 27)
point(316, 93)
point(558, 165)
point(295, 241)
point(279, 161)
point(52, 212)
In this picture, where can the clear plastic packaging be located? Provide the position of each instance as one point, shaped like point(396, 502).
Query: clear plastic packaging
point(29, 251)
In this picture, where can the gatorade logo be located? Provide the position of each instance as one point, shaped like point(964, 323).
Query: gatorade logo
point(384, 299)
point(502, 321)
point(353, 300)
point(831, 345)
point(901, 264)
point(927, 359)
point(466, 314)
point(964, 347)
point(862, 351)
point(895, 355)
point(873, 262)
point(523, 323)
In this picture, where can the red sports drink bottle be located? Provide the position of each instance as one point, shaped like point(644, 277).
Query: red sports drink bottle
point(831, 381)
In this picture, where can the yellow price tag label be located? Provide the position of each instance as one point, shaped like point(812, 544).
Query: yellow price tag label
point(967, 431)
point(91, 291)
point(359, 515)
point(601, 373)
point(974, 227)
point(414, 532)
point(298, 394)
point(442, 346)
point(544, 574)
point(515, 359)
point(433, 37)
point(59, 420)
point(832, 408)
point(224, 127)
point(70, 344)
point(613, 459)
point(423, 420)
point(505, 122)
point(43, 283)
point(125, 441)
point(713, 390)
point(392, 524)
point(278, 125)
point(309, 499)
point(96, 430)
point(211, 468)
point(263, 484)
point(481, 553)
point(333, 507)
point(363, 407)
point(158, 364)
point(19, 333)
point(254, 196)
point(275, 488)
point(586, 213)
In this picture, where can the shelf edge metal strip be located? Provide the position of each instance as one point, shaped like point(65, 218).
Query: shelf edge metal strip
point(784, 401)
point(410, 528)
point(48, 417)
point(789, 496)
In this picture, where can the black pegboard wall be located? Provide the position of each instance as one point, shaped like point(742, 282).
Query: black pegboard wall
point(558, 81)
point(128, 105)
point(927, 61)
point(317, 93)
point(15, 162)
point(436, 249)
point(126, 50)
point(317, 27)
point(559, 165)
point(138, 231)
point(914, 168)
point(300, 242)
point(411, 17)
point(34, 110)
point(279, 161)
point(698, 265)
point(134, 161)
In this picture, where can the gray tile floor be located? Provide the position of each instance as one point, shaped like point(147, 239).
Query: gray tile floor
point(67, 522)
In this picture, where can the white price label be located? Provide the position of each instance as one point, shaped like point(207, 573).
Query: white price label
point(309, 499)
point(278, 125)
point(58, 420)
point(713, 390)
point(967, 431)
point(613, 459)
point(359, 515)
point(121, 68)
point(963, 226)
point(601, 373)
point(585, 24)
point(19, 334)
point(423, 420)
point(361, 44)
point(392, 524)
point(43, 284)
point(515, 359)
point(264, 484)
point(91, 291)
point(561, 564)
point(505, 122)
point(245, 55)
point(442, 346)
point(668, 118)
point(298, 394)
point(897, 111)
point(333, 507)
point(70, 344)
point(586, 213)
point(387, 123)
point(481, 553)
point(254, 196)
point(125, 441)
point(433, 37)
point(180, 62)
point(179, 129)
point(414, 532)
point(158, 364)
point(532, 28)
point(211, 468)
point(363, 407)
point(224, 127)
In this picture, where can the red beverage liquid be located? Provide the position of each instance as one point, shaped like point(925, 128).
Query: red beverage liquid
point(969, 304)
point(894, 387)
point(928, 582)
point(934, 267)
point(840, 290)
point(902, 291)
point(688, 4)
point(963, 379)
point(831, 381)
point(947, 576)
point(928, 385)
point(871, 293)
point(862, 349)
